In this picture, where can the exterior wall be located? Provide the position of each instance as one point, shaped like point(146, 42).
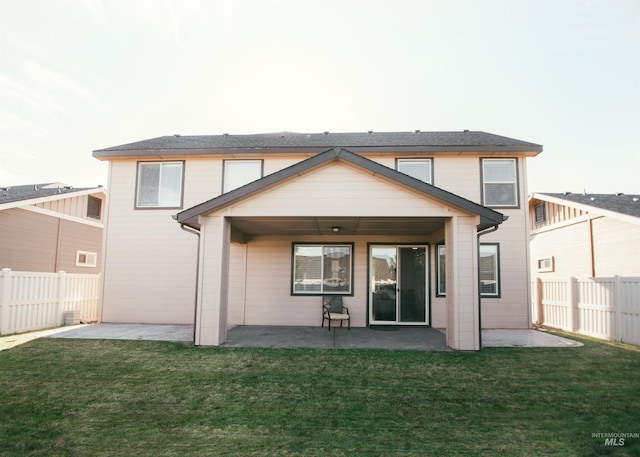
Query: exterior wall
point(28, 241)
point(511, 310)
point(150, 266)
point(588, 246)
point(150, 263)
point(37, 242)
point(73, 206)
point(267, 290)
point(570, 247)
point(616, 247)
point(584, 244)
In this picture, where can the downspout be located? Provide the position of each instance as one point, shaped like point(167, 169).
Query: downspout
point(195, 305)
point(480, 233)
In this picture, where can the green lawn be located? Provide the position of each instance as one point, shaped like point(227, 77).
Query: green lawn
point(63, 397)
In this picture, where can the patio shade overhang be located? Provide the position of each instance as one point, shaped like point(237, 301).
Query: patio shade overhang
point(351, 225)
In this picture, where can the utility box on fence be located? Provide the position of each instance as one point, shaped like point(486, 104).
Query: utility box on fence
point(72, 317)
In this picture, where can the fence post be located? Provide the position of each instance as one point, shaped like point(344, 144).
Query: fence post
point(617, 305)
point(5, 301)
point(539, 307)
point(572, 298)
point(61, 296)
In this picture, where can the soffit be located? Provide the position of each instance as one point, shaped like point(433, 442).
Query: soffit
point(321, 226)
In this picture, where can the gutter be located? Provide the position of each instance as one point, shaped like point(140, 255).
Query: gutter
point(195, 305)
point(479, 234)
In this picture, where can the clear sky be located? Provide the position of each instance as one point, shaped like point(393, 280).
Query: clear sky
point(79, 75)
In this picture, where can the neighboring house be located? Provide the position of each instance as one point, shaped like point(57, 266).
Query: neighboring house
point(585, 235)
point(51, 227)
point(399, 223)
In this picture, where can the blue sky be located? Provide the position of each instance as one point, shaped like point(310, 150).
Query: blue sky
point(82, 75)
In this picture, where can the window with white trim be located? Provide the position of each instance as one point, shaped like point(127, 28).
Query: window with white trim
point(545, 264)
point(159, 185)
point(500, 183)
point(417, 168)
point(322, 269)
point(237, 173)
point(86, 259)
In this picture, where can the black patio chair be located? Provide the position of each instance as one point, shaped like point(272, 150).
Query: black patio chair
point(334, 310)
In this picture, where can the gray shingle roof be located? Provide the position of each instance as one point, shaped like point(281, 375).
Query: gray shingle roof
point(628, 204)
point(10, 194)
point(459, 141)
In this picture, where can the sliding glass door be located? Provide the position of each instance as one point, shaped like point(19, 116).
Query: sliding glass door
point(398, 286)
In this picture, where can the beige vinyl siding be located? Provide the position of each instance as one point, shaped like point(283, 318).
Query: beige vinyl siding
point(28, 241)
point(512, 308)
point(150, 263)
point(268, 282)
point(358, 194)
point(73, 206)
point(616, 247)
point(570, 246)
point(76, 237)
point(36, 242)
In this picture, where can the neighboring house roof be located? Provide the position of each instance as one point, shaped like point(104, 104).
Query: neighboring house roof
point(473, 141)
point(611, 204)
point(488, 216)
point(12, 196)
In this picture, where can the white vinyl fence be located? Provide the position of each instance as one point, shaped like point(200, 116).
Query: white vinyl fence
point(607, 308)
point(32, 301)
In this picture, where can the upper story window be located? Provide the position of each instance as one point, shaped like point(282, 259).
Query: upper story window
point(237, 173)
point(94, 207)
point(500, 183)
point(417, 168)
point(159, 185)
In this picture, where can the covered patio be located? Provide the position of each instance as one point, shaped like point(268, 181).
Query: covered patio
point(249, 238)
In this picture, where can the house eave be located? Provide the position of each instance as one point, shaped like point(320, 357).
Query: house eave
point(175, 152)
point(50, 198)
point(191, 215)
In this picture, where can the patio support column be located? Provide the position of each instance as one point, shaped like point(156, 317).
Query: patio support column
point(462, 283)
point(211, 312)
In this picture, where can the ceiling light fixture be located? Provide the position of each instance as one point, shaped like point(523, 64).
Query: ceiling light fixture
point(335, 229)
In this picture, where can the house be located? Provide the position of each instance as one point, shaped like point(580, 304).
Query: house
point(412, 228)
point(584, 235)
point(51, 227)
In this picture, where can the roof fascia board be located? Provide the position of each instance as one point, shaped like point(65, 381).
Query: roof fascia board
point(67, 217)
point(190, 216)
point(590, 209)
point(108, 154)
point(51, 198)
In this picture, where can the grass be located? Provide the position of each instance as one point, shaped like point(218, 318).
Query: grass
point(63, 397)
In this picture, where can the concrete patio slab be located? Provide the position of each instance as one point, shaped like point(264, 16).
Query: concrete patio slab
point(425, 339)
point(410, 338)
point(525, 338)
point(165, 332)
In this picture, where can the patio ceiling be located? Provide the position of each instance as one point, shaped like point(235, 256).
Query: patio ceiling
point(370, 226)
